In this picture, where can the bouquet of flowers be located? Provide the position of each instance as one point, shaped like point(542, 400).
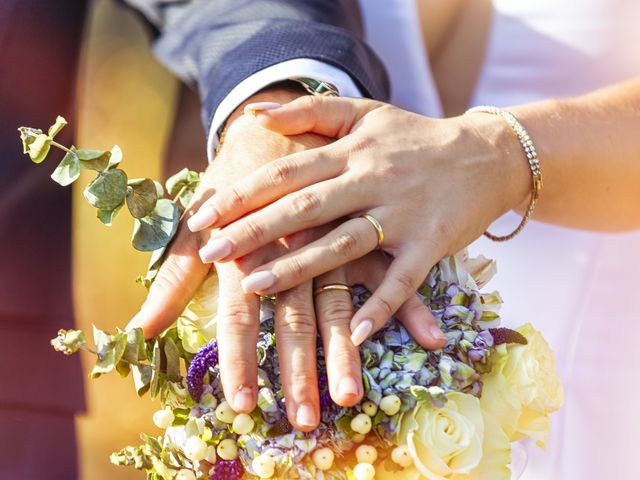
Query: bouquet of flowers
point(446, 414)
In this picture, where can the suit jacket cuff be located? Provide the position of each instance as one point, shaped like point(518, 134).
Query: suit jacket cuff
point(299, 67)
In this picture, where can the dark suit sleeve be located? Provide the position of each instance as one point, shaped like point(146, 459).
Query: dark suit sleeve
point(215, 44)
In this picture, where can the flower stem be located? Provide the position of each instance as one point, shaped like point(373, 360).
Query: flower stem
point(179, 194)
point(62, 147)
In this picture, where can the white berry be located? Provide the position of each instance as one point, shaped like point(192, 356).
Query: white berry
point(208, 401)
point(264, 466)
point(243, 424)
point(361, 423)
point(185, 474)
point(163, 419)
point(228, 449)
point(366, 454)
point(323, 458)
point(225, 413)
point(370, 408)
point(211, 455)
point(390, 404)
point(195, 449)
point(358, 438)
point(401, 456)
point(364, 471)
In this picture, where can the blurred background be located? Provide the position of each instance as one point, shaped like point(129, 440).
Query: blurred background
point(124, 97)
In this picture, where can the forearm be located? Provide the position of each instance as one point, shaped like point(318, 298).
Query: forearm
point(589, 148)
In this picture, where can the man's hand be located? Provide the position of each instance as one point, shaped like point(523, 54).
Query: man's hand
point(246, 147)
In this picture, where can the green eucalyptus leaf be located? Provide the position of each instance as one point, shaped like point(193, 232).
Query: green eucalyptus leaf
point(108, 190)
point(28, 136)
point(183, 183)
point(156, 230)
point(157, 256)
point(142, 196)
point(172, 355)
point(116, 157)
point(135, 349)
point(159, 189)
point(187, 195)
point(107, 216)
point(56, 127)
point(156, 364)
point(97, 160)
point(68, 170)
point(123, 368)
point(142, 375)
point(175, 182)
point(39, 148)
point(109, 348)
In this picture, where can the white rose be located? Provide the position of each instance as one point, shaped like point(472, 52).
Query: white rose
point(523, 388)
point(455, 442)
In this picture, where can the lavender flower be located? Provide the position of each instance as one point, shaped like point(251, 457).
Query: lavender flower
point(205, 359)
point(227, 470)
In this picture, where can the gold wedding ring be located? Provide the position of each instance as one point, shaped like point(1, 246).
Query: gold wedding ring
point(376, 224)
point(333, 286)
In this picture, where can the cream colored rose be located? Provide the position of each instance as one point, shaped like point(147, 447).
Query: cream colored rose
point(524, 388)
point(455, 442)
point(197, 324)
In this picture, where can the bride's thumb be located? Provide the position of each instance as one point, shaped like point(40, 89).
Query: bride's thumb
point(329, 116)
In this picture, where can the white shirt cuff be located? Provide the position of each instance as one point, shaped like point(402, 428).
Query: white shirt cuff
point(299, 67)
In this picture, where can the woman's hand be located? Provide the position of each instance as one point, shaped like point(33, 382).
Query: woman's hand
point(434, 186)
point(247, 147)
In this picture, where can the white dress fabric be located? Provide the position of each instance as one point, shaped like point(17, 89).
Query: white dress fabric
point(578, 288)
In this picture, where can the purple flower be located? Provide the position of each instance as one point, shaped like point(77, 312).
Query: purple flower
point(227, 470)
point(325, 398)
point(205, 359)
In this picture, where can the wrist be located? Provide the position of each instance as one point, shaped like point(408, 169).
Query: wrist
point(497, 140)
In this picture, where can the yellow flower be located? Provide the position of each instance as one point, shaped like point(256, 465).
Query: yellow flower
point(523, 388)
point(197, 324)
point(455, 442)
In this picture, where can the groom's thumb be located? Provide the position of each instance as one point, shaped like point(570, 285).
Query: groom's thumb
point(332, 117)
point(176, 283)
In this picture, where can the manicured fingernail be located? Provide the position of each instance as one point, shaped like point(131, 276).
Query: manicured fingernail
point(437, 333)
point(347, 387)
point(306, 415)
point(216, 249)
point(243, 401)
point(361, 332)
point(203, 218)
point(258, 281)
point(255, 108)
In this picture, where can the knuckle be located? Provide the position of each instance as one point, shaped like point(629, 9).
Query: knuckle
point(236, 317)
point(345, 358)
point(345, 245)
point(362, 144)
point(306, 206)
point(236, 199)
point(254, 232)
point(295, 268)
point(403, 283)
point(303, 378)
point(282, 172)
point(383, 305)
point(337, 311)
point(299, 323)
